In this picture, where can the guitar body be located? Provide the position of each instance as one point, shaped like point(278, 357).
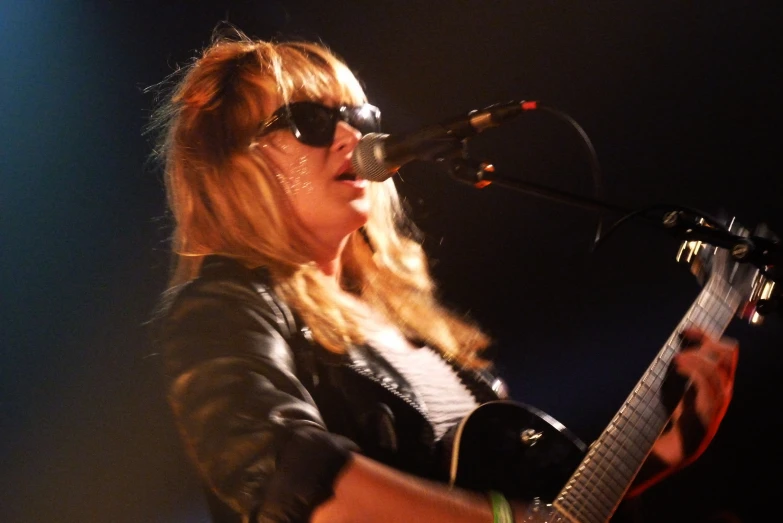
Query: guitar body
point(515, 449)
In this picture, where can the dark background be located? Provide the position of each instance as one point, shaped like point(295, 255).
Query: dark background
point(680, 100)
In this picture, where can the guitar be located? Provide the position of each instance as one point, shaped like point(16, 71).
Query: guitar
point(522, 452)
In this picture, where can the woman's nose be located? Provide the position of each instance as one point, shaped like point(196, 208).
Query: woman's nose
point(345, 137)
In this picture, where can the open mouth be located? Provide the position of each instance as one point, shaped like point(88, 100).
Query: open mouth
point(347, 176)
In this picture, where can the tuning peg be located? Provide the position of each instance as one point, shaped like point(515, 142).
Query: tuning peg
point(763, 300)
point(766, 306)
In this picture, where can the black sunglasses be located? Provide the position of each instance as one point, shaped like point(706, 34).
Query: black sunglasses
point(314, 124)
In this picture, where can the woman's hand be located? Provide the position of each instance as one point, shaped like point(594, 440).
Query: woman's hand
point(710, 366)
point(707, 366)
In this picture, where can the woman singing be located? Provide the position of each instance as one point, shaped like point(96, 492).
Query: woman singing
point(311, 370)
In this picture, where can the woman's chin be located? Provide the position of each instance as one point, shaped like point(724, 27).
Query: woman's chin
point(361, 211)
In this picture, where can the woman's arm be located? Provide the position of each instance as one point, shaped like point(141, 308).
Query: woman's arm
point(368, 491)
point(251, 428)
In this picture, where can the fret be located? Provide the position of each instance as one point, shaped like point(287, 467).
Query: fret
point(620, 466)
point(609, 479)
point(639, 399)
point(641, 417)
point(596, 476)
point(660, 367)
point(621, 447)
point(620, 443)
point(585, 513)
point(631, 448)
point(712, 323)
point(616, 464)
point(561, 516)
point(602, 492)
point(643, 388)
point(604, 481)
point(577, 504)
point(591, 513)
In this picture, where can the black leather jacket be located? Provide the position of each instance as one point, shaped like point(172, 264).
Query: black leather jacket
point(270, 417)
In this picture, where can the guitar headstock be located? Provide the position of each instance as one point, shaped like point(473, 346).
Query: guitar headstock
point(735, 262)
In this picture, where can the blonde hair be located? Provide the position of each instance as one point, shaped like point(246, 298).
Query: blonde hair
point(214, 181)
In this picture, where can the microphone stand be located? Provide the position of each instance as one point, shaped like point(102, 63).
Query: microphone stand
point(763, 250)
point(481, 175)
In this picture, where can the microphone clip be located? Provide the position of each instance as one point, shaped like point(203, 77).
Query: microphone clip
point(462, 167)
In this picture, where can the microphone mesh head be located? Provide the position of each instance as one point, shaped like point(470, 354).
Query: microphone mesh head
point(368, 158)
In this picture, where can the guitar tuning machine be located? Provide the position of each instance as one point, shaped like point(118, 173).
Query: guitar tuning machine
point(762, 301)
point(763, 248)
point(690, 252)
point(750, 267)
point(530, 437)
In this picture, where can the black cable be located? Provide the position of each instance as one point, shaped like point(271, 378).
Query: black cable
point(711, 220)
point(595, 168)
point(598, 189)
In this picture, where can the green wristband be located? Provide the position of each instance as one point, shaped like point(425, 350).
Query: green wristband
point(501, 509)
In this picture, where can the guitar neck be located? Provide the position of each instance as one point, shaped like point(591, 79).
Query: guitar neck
point(596, 488)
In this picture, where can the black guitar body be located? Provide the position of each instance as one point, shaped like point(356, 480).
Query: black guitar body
point(515, 449)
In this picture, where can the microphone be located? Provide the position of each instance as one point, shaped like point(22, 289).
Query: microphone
point(378, 156)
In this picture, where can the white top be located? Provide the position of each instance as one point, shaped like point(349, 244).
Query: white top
point(441, 393)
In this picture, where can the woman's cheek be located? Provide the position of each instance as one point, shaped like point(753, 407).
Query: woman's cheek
point(297, 177)
point(292, 168)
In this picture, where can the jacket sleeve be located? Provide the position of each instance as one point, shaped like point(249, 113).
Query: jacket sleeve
point(250, 426)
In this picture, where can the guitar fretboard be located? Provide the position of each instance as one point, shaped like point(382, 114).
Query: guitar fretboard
point(596, 488)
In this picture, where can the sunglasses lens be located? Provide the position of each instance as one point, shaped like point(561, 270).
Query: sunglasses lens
point(314, 124)
point(365, 119)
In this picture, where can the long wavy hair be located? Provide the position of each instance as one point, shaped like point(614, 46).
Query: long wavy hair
point(224, 198)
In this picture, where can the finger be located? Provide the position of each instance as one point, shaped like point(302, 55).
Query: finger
point(732, 361)
point(694, 337)
point(691, 337)
point(713, 388)
point(704, 363)
point(705, 406)
point(724, 355)
point(693, 332)
point(705, 374)
point(715, 353)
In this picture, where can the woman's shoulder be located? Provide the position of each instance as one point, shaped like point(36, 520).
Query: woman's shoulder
point(221, 275)
point(222, 271)
point(225, 287)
